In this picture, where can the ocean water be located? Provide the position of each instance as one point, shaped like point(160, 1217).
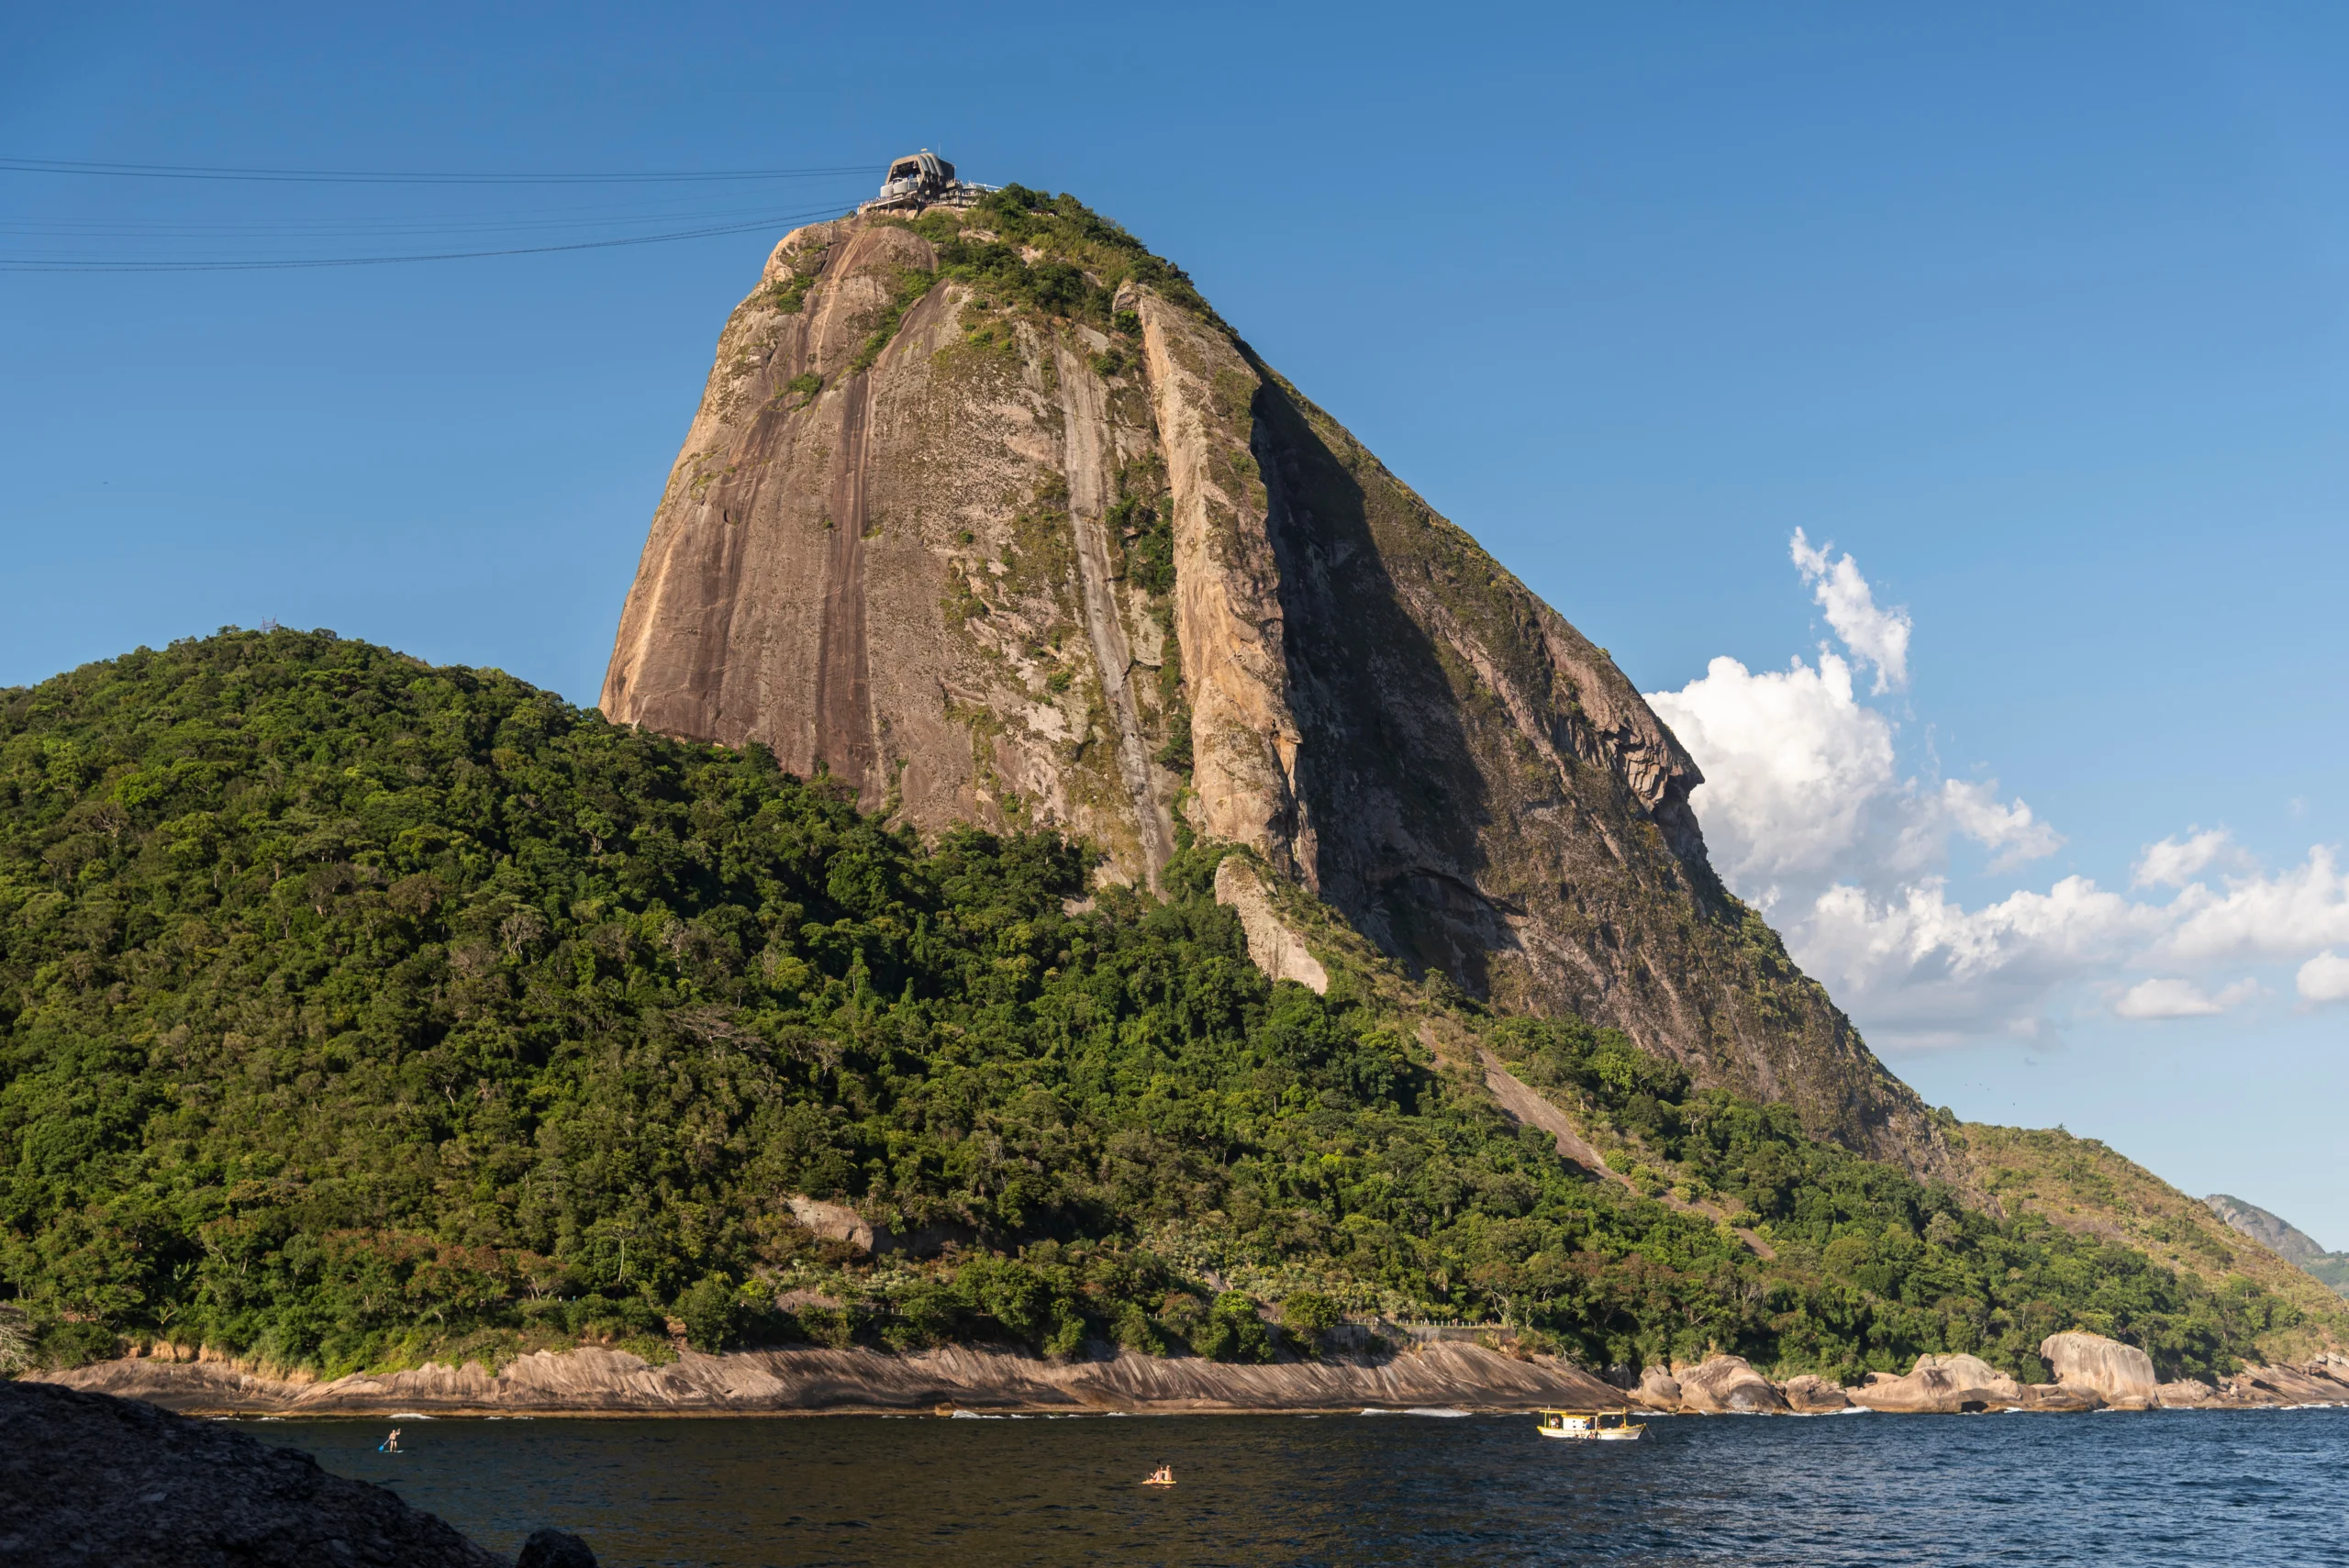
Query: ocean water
point(2116, 1490)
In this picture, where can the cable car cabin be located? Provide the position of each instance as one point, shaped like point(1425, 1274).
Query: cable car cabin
point(921, 179)
point(1590, 1426)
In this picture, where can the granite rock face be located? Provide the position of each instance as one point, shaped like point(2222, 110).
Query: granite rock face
point(89, 1479)
point(1728, 1385)
point(1808, 1395)
point(913, 568)
point(2119, 1374)
point(1276, 949)
point(1941, 1385)
point(2287, 1240)
point(2279, 1236)
point(2324, 1381)
point(1658, 1389)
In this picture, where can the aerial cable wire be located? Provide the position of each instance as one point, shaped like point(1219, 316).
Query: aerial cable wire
point(409, 177)
point(604, 216)
point(43, 264)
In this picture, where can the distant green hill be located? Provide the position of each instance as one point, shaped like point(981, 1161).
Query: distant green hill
point(2287, 1240)
point(354, 1010)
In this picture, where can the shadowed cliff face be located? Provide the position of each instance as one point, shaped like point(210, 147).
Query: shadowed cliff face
point(920, 557)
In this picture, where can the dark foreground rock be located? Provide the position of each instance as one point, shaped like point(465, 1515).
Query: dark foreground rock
point(554, 1548)
point(88, 1479)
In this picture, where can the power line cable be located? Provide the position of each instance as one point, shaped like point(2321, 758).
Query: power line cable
point(605, 217)
point(45, 264)
point(409, 177)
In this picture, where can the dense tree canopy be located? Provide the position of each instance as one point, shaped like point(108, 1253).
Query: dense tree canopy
point(353, 1009)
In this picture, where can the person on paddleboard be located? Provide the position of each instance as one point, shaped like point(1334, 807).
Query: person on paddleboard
point(390, 1444)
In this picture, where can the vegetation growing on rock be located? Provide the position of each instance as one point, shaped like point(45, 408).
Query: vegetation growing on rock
point(354, 1010)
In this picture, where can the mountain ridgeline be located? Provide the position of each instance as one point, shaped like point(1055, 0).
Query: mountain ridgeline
point(988, 517)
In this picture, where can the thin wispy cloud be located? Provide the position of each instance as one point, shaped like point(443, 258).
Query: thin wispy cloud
point(1878, 637)
point(2177, 860)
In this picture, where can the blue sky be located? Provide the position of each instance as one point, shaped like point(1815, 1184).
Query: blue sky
point(2035, 313)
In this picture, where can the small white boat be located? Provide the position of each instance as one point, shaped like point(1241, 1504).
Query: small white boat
point(1590, 1426)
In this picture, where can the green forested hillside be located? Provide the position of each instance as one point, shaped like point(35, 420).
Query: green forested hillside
point(352, 1011)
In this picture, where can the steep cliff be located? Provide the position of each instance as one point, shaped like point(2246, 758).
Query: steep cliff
point(992, 518)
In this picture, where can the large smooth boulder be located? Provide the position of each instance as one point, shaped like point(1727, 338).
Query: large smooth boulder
point(1658, 1389)
point(2122, 1376)
point(1728, 1385)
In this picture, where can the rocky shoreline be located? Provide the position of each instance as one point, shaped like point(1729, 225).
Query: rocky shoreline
point(2090, 1374)
point(594, 1381)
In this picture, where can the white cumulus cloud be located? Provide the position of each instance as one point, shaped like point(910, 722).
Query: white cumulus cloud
point(2279, 917)
point(1791, 764)
point(2324, 978)
point(1811, 817)
point(1921, 969)
point(2175, 861)
point(2180, 999)
point(1878, 636)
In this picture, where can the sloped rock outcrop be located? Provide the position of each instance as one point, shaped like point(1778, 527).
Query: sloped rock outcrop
point(973, 1377)
point(89, 1479)
point(2324, 1381)
point(903, 546)
point(1277, 949)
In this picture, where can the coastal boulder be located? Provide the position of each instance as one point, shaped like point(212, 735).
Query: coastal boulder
point(1658, 1389)
point(2188, 1394)
point(2122, 1376)
point(1808, 1395)
point(1728, 1385)
point(2057, 1400)
point(1938, 1384)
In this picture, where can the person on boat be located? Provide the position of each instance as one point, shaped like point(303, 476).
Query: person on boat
point(390, 1444)
point(1162, 1476)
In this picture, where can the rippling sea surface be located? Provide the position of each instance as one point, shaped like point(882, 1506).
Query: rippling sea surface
point(2173, 1487)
